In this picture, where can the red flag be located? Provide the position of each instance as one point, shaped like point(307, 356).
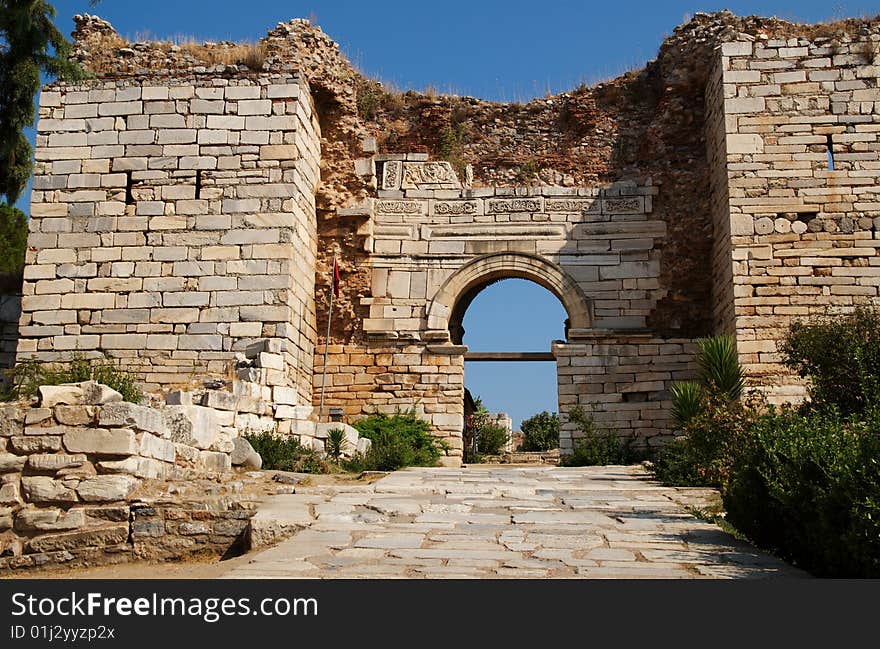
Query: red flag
point(336, 279)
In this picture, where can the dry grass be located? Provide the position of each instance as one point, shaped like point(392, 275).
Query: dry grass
point(253, 55)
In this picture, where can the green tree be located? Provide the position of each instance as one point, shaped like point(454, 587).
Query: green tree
point(30, 44)
point(541, 432)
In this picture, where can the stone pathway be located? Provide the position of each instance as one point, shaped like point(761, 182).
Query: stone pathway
point(506, 521)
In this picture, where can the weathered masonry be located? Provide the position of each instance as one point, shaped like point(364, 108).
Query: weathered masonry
point(186, 210)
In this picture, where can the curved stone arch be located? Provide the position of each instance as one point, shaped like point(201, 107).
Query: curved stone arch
point(464, 284)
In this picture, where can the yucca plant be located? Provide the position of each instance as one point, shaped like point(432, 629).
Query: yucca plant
point(720, 370)
point(335, 443)
point(687, 401)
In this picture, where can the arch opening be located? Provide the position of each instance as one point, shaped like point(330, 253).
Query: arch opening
point(446, 311)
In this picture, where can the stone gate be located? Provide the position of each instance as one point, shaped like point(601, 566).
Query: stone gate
point(185, 211)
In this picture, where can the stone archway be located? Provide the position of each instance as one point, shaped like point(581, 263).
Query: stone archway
point(448, 305)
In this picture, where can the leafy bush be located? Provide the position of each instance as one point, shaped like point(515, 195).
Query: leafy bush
point(399, 440)
point(712, 438)
point(482, 435)
point(595, 448)
point(286, 453)
point(840, 356)
point(809, 488)
point(492, 439)
point(24, 380)
point(541, 432)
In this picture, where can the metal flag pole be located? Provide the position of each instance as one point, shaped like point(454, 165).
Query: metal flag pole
point(327, 339)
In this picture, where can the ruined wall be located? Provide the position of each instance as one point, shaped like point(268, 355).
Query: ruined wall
point(173, 223)
point(79, 467)
point(805, 238)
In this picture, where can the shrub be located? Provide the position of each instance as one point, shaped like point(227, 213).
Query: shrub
point(840, 356)
point(687, 402)
point(712, 439)
point(720, 371)
point(482, 435)
point(24, 380)
point(809, 488)
point(335, 443)
point(286, 453)
point(492, 439)
point(595, 448)
point(541, 432)
point(399, 440)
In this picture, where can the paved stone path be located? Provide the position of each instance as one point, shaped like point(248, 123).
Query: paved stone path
point(503, 521)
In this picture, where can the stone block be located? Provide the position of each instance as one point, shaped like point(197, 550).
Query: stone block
point(107, 488)
point(35, 443)
point(220, 400)
point(156, 447)
point(133, 416)
point(69, 394)
point(140, 467)
point(270, 361)
point(55, 461)
point(255, 107)
point(213, 461)
point(10, 463)
point(179, 398)
point(192, 425)
point(101, 441)
point(100, 537)
point(9, 494)
point(50, 519)
point(43, 489)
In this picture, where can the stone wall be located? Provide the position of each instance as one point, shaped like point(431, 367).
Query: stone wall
point(623, 382)
point(173, 223)
point(72, 464)
point(392, 376)
point(804, 237)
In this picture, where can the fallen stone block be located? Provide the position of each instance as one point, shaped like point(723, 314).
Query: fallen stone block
point(100, 537)
point(69, 394)
point(97, 394)
point(191, 425)
point(140, 467)
point(213, 461)
point(42, 489)
point(244, 455)
point(101, 441)
point(133, 416)
point(107, 488)
point(364, 445)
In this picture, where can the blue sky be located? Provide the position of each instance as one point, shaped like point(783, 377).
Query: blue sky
point(509, 50)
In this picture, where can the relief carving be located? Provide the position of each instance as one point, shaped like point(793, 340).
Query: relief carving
point(398, 207)
point(623, 205)
point(506, 205)
point(456, 207)
point(417, 174)
point(391, 175)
